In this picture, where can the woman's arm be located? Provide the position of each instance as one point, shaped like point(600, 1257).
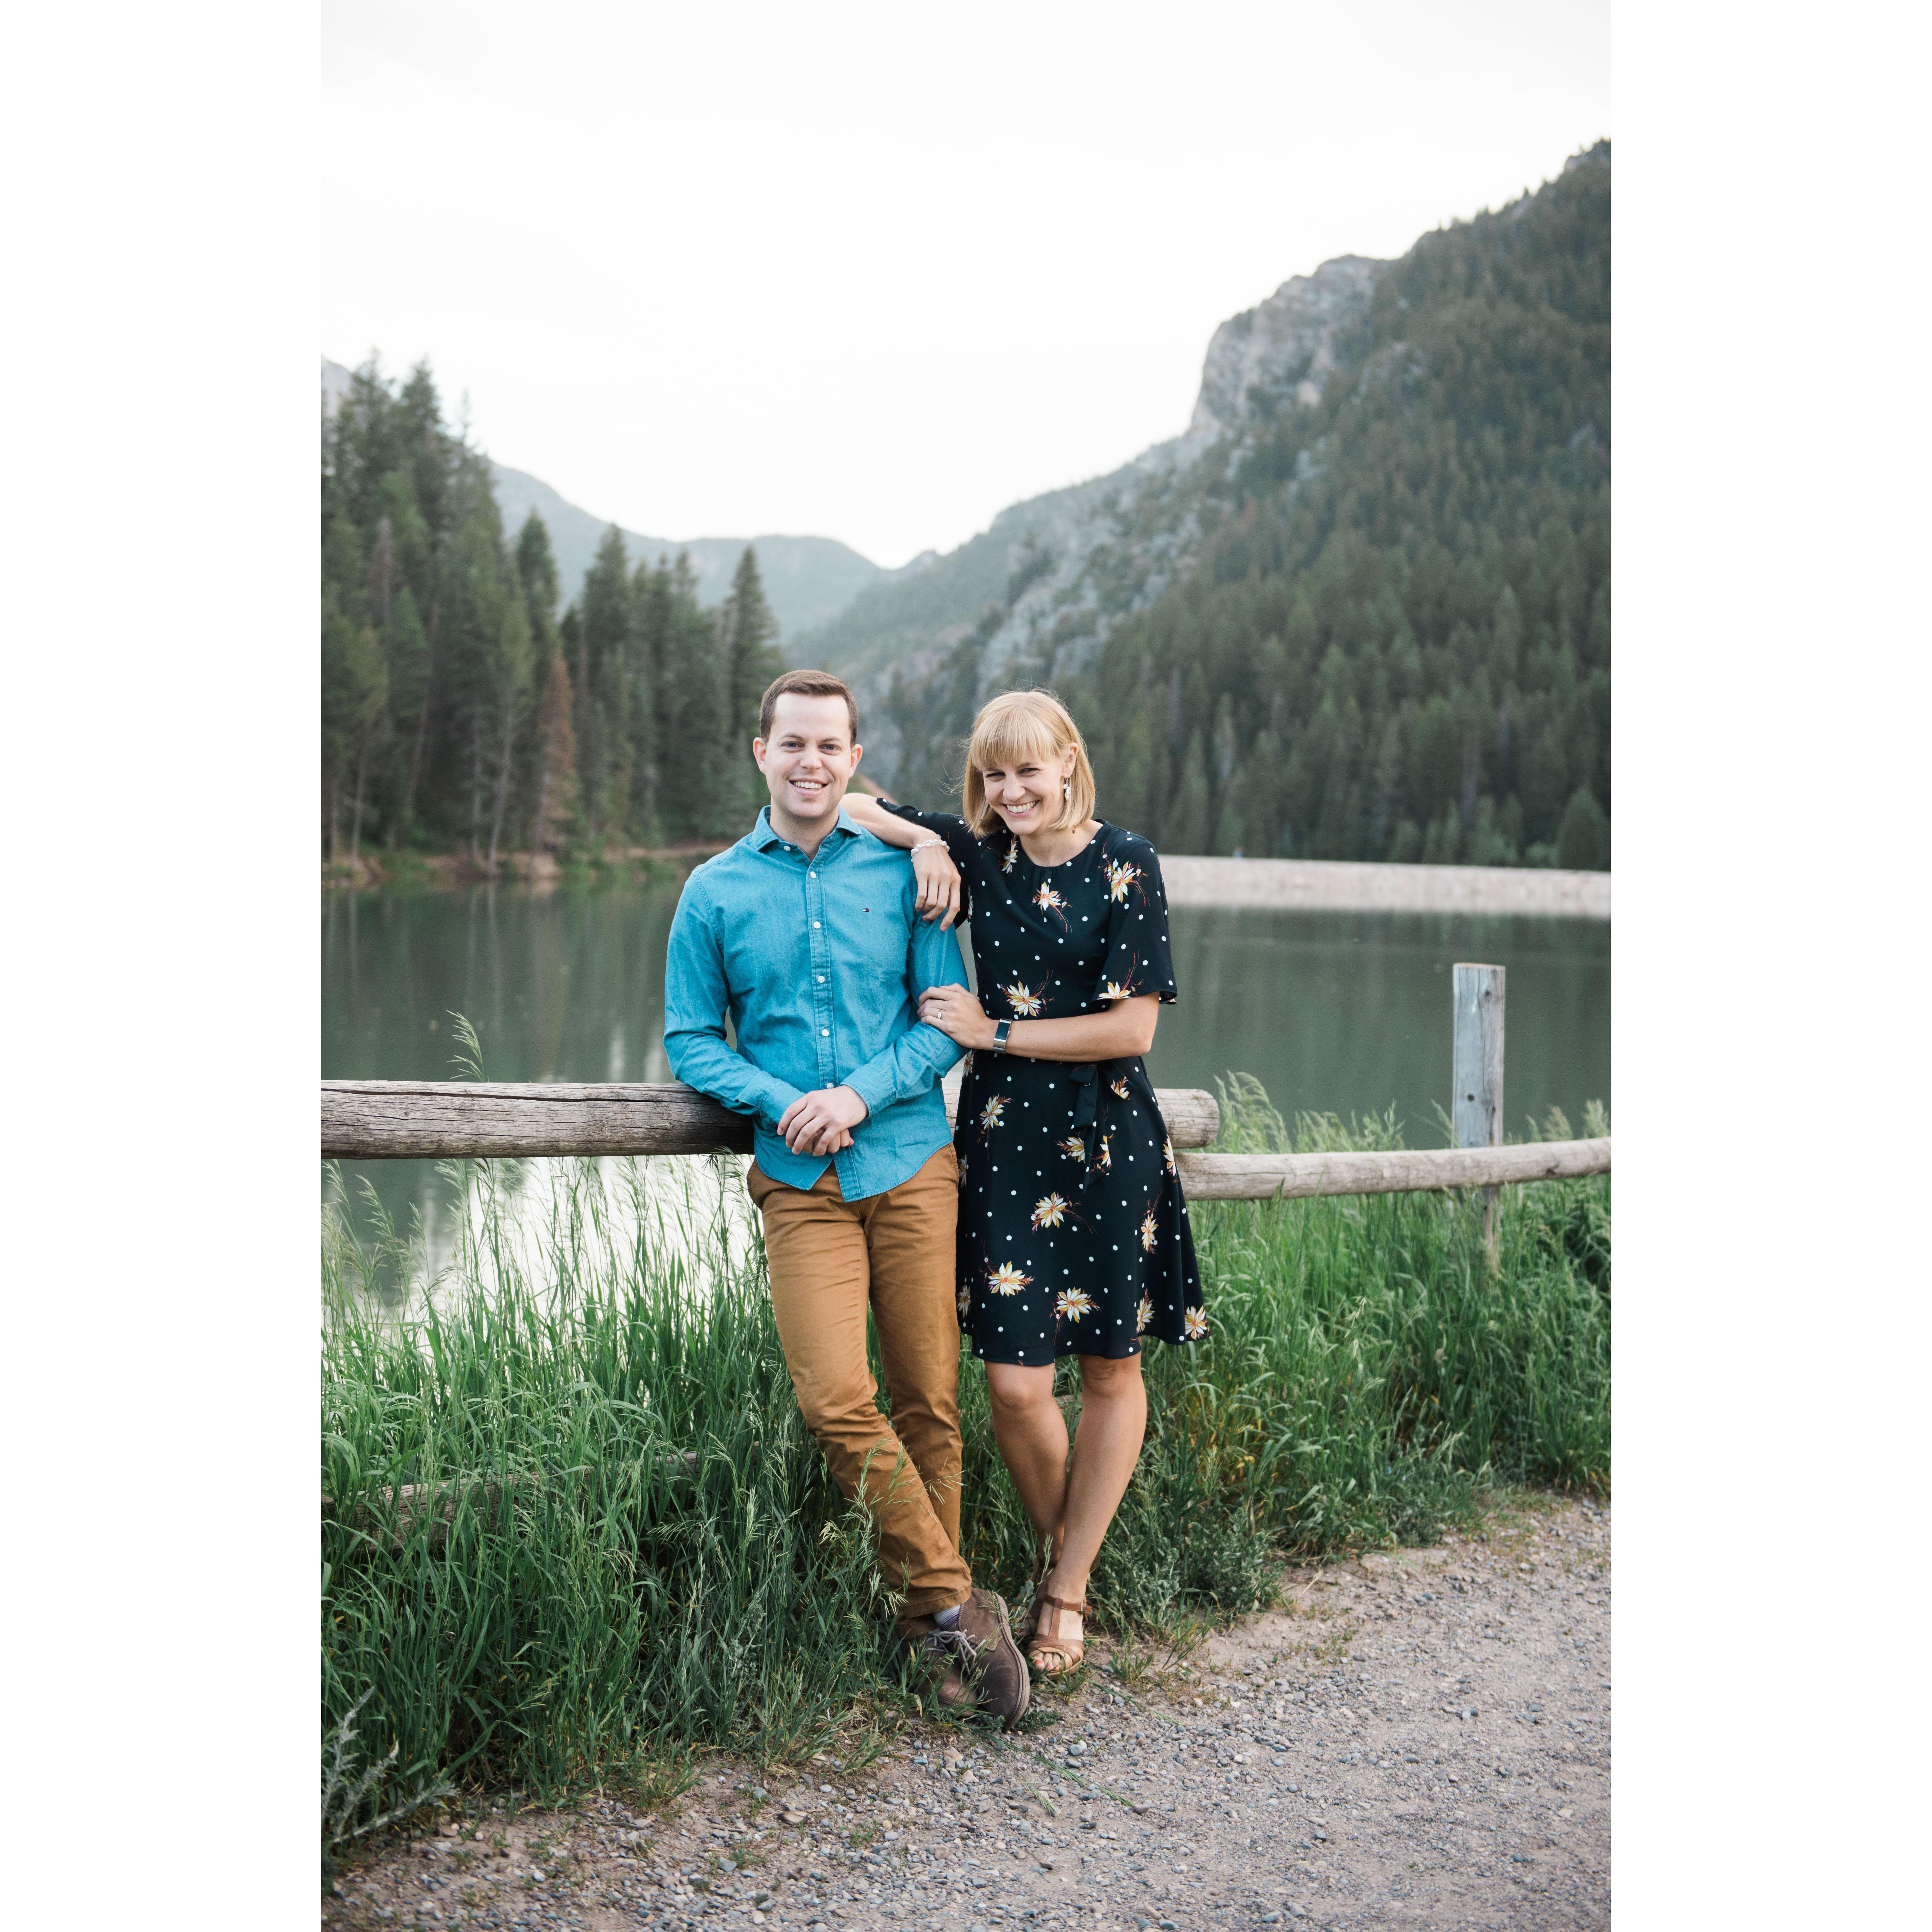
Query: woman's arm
point(1123, 1032)
point(932, 865)
point(863, 809)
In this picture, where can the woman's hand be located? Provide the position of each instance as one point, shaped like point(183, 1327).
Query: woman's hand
point(938, 879)
point(957, 1014)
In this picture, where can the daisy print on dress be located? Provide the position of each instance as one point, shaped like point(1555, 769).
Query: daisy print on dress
point(1143, 1314)
point(1049, 902)
point(1167, 1155)
point(1072, 1304)
point(1197, 1323)
point(1050, 1211)
point(1012, 852)
point(1150, 1231)
point(1073, 1147)
point(1007, 1280)
point(989, 1114)
point(1104, 1159)
point(1118, 1088)
point(1116, 989)
point(1023, 1000)
point(964, 1300)
point(1122, 878)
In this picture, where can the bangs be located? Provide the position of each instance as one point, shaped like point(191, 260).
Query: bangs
point(1016, 735)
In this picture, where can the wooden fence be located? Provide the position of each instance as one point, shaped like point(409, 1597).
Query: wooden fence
point(397, 1119)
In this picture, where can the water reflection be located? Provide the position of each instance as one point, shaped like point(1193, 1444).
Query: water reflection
point(1334, 1012)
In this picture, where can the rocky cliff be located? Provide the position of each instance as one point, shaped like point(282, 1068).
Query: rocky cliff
point(1050, 578)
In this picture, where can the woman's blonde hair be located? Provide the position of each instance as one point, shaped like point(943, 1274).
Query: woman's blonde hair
point(1013, 728)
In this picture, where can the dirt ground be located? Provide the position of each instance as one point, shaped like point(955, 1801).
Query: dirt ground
point(1418, 1738)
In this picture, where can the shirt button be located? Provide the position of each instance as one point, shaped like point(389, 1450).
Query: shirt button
point(815, 923)
point(812, 875)
point(825, 1033)
point(821, 978)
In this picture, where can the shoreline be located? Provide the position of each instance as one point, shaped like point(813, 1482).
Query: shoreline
point(1312, 885)
point(373, 871)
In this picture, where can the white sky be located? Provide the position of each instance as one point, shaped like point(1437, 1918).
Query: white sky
point(877, 272)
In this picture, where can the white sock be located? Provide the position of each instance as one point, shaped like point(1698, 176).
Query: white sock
point(947, 1619)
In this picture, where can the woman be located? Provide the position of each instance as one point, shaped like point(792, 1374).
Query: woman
point(1073, 1235)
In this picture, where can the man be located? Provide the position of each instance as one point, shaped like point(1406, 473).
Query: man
point(805, 932)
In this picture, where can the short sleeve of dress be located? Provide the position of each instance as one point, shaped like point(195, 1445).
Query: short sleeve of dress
point(965, 851)
point(1140, 955)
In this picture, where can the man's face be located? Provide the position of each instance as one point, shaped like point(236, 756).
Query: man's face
point(809, 758)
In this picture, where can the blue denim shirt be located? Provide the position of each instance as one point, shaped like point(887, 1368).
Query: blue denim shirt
point(820, 962)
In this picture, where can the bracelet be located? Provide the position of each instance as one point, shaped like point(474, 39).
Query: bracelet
point(923, 844)
point(1000, 1032)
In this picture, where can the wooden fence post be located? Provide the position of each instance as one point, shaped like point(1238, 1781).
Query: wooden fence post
point(1478, 1112)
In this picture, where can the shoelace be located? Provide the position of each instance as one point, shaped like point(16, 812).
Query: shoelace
point(959, 1641)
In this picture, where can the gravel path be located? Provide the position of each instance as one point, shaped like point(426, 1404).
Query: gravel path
point(1417, 1738)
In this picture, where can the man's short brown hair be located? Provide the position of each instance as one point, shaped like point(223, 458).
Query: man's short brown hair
point(806, 684)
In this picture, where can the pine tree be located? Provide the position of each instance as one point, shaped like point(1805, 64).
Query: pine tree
point(368, 678)
point(1583, 839)
point(652, 602)
point(407, 653)
point(536, 570)
point(1187, 828)
point(698, 801)
point(554, 794)
point(604, 687)
point(747, 632)
point(511, 666)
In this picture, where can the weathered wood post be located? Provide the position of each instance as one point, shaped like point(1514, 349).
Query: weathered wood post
point(1477, 994)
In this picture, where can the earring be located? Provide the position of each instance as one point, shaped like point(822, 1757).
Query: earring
point(1066, 789)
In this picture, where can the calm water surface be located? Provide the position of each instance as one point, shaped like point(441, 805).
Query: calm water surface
point(1340, 1012)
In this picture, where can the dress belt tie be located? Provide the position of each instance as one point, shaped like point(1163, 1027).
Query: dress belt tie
point(1086, 1079)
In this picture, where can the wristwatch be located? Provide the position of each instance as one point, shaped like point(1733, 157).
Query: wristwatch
point(1000, 1032)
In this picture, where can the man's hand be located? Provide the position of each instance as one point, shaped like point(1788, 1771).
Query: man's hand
point(938, 879)
point(957, 1014)
point(821, 1121)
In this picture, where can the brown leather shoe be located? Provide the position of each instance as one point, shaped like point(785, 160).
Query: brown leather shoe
point(988, 1658)
point(935, 1663)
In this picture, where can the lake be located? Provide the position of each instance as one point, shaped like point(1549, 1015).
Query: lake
point(1334, 1012)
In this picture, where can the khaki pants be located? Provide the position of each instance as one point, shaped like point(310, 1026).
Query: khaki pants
point(829, 1258)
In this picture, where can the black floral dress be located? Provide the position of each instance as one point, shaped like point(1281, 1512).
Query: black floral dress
point(1073, 1235)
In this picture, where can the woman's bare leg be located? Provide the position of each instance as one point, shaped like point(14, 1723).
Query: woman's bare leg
point(1113, 1424)
point(1031, 1432)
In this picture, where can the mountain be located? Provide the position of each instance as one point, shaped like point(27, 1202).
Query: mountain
point(1051, 575)
point(807, 580)
point(1359, 609)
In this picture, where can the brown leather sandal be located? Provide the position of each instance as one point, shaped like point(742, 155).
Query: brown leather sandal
point(1045, 1643)
point(1042, 1568)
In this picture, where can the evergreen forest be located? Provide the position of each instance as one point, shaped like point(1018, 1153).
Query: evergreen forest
point(462, 712)
point(1394, 640)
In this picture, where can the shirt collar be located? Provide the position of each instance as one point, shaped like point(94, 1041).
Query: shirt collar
point(764, 837)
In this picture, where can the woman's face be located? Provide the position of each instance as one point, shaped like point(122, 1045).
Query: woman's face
point(1027, 794)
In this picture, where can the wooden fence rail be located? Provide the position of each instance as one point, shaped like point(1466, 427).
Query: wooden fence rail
point(399, 1119)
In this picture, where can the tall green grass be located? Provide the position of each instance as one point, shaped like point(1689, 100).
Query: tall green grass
point(647, 1554)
